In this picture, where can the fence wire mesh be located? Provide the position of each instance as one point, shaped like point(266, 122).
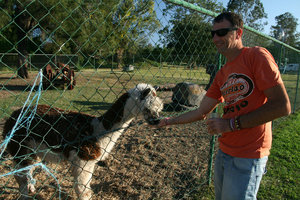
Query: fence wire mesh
point(91, 54)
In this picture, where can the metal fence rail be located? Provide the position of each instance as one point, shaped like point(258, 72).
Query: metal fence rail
point(103, 49)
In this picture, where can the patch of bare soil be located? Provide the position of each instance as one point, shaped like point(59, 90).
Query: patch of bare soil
point(146, 163)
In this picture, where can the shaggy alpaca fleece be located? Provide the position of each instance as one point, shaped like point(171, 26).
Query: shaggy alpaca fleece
point(55, 135)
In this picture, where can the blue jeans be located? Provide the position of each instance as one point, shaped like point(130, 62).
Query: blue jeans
point(237, 178)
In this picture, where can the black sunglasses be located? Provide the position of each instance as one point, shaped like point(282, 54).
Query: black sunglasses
point(222, 32)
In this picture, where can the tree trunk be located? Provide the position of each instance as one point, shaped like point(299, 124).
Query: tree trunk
point(23, 64)
point(120, 53)
point(23, 27)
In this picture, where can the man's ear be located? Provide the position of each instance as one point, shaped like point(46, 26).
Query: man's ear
point(239, 33)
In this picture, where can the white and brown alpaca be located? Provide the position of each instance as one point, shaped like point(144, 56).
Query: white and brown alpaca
point(81, 139)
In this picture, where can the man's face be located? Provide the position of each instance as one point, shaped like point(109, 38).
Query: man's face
point(226, 42)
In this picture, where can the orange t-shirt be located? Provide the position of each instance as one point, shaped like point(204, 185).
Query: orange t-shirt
point(240, 84)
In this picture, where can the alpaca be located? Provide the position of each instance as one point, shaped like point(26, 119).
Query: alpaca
point(55, 135)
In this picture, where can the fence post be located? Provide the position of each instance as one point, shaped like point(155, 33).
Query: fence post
point(213, 138)
point(29, 61)
point(297, 87)
point(211, 157)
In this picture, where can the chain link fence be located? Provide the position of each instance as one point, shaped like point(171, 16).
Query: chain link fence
point(113, 46)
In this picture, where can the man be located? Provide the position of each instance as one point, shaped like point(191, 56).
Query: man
point(253, 93)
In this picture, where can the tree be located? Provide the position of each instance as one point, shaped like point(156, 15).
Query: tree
point(188, 34)
point(87, 28)
point(252, 12)
point(288, 23)
point(22, 18)
point(190, 40)
point(23, 24)
point(131, 22)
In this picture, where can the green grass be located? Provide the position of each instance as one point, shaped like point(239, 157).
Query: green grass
point(95, 89)
point(283, 177)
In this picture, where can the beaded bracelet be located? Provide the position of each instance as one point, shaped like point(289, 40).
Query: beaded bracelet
point(235, 124)
point(231, 124)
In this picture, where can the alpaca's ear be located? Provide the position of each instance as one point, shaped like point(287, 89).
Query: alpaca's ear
point(145, 93)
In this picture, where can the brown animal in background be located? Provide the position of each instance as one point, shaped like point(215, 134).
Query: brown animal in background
point(63, 75)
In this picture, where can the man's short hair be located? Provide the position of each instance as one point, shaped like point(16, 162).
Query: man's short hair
point(235, 19)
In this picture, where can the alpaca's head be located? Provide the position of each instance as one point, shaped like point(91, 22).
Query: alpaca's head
point(144, 101)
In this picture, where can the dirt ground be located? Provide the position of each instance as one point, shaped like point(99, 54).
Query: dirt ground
point(146, 163)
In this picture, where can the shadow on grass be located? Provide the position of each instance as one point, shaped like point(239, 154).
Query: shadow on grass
point(94, 105)
point(18, 87)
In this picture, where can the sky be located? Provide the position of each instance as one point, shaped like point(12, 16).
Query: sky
point(274, 8)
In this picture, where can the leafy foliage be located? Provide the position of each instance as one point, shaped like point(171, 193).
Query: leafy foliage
point(88, 28)
point(187, 37)
point(252, 11)
point(288, 23)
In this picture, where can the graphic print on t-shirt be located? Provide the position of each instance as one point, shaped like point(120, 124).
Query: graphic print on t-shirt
point(237, 87)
